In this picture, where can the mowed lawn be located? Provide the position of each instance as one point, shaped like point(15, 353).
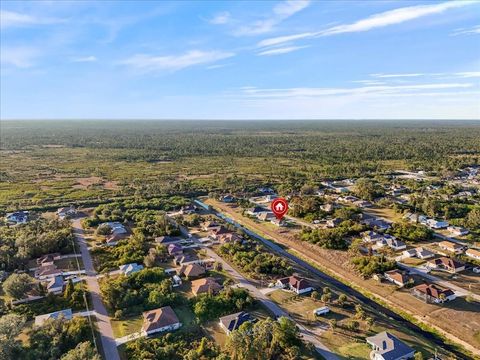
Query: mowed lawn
point(300, 307)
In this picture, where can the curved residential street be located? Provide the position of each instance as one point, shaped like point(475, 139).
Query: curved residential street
point(103, 320)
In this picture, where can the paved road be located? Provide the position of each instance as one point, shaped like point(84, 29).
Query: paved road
point(343, 287)
point(103, 320)
point(276, 310)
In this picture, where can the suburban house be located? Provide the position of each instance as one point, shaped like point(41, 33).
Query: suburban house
point(232, 322)
point(160, 320)
point(66, 212)
point(371, 236)
point(432, 293)
point(185, 258)
point(379, 224)
point(209, 225)
point(256, 210)
point(47, 272)
point(165, 239)
point(55, 285)
point(451, 247)
point(390, 241)
point(18, 217)
point(419, 252)
point(66, 314)
point(270, 197)
point(113, 239)
point(457, 230)
point(334, 222)
point(278, 222)
point(218, 231)
point(266, 216)
point(48, 259)
point(447, 264)
point(327, 207)
point(191, 271)
point(206, 285)
point(188, 209)
point(397, 277)
point(229, 238)
point(131, 268)
point(295, 284)
point(386, 346)
point(227, 198)
point(437, 224)
point(117, 227)
point(473, 253)
point(174, 250)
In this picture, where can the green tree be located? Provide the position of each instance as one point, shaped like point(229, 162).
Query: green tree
point(18, 285)
point(11, 326)
point(83, 351)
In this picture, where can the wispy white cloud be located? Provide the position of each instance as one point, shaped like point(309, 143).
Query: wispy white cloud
point(221, 18)
point(20, 57)
point(90, 58)
point(150, 63)
point(387, 18)
point(282, 50)
point(470, 31)
point(468, 74)
point(9, 19)
point(396, 75)
point(280, 12)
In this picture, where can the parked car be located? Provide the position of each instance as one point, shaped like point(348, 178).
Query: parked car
point(476, 270)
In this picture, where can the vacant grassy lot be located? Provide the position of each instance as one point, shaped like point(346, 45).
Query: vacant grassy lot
point(126, 326)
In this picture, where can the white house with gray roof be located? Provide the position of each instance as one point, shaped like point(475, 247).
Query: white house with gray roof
point(386, 346)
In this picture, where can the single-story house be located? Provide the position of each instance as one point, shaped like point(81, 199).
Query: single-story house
point(451, 247)
point(457, 230)
point(47, 272)
point(165, 239)
point(379, 224)
point(266, 216)
point(65, 212)
point(208, 225)
point(229, 238)
point(437, 224)
point(419, 252)
point(55, 285)
point(327, 207)
point(386, 346)
point(256, 210)
point(218, 231)
point(18, 217)
point(270, 197)
point(433, 293)
point(113, 239)
point(131, 268)
point(191, 271)
point(278, 222)
point(362, 204)
point(473, 253)
point(185, 258)
point(160, 320)
point(371, 236)
point(66, 314)
point(227, 198)
point(48, 259)
point(447, 264)
point(334, 222)
point(117, 227)
point(232, 322)
point(266, 190)
point(206, 285)
point(390, 241)
point(174, 249)
point(397, 277)
point(295, 284)
point(188, 209)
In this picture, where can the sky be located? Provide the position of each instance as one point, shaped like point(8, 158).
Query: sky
point(291, 59)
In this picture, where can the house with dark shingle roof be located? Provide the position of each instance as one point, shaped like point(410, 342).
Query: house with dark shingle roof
point(386, 346)
point(191, 271)
point(232, 322)
point(447, 264)
point(204, 286)
point(160, 320)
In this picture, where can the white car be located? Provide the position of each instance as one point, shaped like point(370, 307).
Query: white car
point(476, 270)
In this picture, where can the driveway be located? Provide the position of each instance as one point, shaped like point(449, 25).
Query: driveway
point(103, 320)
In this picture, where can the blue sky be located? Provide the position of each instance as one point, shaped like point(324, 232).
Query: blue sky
point(295, 59)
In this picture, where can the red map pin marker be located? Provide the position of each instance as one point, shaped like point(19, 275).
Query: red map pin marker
point(279, 207)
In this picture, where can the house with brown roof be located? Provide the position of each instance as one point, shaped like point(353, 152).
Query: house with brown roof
point(295, 284)
point(447, 264)
point(204, 286)
point(209, 225)
point(191, 271)
point(451, 247)
point(160, 320)
point(433, 293)
point(215, 233)
point(47, 272)
point(473, 253)
point(229, 238)
point(397, 277)
point(48, 259)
